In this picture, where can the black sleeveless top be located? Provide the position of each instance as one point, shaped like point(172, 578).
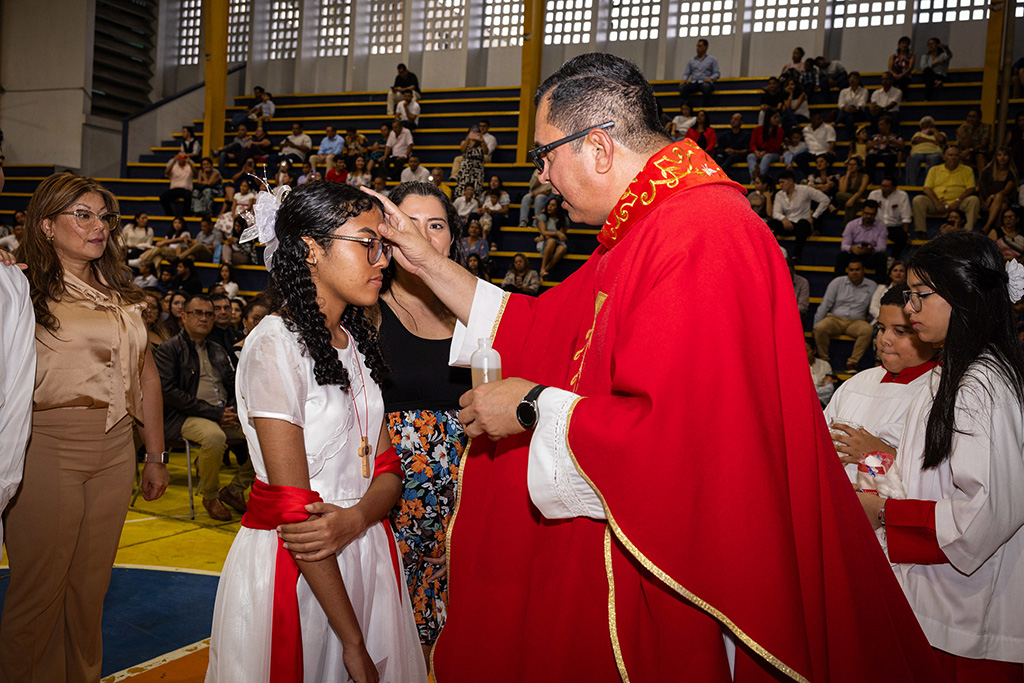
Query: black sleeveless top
point(420, 377)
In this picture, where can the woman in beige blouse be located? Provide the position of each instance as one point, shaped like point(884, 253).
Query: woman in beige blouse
point(95, 374)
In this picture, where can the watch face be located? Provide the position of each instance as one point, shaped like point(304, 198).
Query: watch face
point(526, 413)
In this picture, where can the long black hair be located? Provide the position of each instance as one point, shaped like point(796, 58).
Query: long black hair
point(967, 270)
point(316, 209)
point(418, 189)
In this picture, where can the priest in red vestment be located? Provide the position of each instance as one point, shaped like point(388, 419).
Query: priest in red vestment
point(659, 498)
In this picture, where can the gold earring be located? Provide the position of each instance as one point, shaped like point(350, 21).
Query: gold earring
point(51, 237)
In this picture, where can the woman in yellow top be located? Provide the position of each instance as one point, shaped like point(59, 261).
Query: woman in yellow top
point(95, 374)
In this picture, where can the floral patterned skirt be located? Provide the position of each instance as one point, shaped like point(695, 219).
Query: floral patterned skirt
point(429, 445)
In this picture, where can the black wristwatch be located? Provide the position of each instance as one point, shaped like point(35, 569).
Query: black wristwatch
point(526, 411)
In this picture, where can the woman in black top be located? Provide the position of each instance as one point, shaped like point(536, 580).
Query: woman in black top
point(421, 401)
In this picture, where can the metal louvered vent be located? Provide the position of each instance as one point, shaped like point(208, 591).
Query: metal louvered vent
point(122, 63)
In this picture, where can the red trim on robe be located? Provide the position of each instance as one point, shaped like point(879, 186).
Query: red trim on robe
point(910, 532)
point(270, 506)
point(908, 375)
point(394, 555)
point(387, 462)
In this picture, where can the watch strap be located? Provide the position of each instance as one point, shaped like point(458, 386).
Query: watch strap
point(161, 458)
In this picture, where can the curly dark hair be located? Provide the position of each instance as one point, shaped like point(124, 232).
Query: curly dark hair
point(399, 195)
point(316, 209)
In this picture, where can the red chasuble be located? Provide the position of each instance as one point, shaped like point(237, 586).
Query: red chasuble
point(700, 431)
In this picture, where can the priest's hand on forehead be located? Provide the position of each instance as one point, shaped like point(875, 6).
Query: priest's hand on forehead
point(414, 253)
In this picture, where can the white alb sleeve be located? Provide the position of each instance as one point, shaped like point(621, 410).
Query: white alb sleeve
point(487, 301)
point(556, 487)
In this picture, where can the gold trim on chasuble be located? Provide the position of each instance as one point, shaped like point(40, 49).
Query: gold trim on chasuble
point(581, 354)
point(463, 461)
point(664, 578)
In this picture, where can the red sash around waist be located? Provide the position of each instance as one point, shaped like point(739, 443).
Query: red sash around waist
point(270, 506)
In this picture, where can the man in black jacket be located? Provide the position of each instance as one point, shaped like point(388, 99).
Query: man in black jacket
point(199, 404)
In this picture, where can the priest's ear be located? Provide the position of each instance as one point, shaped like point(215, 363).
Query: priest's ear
point(603, 150)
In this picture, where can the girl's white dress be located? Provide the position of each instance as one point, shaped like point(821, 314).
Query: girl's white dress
point(275, 380)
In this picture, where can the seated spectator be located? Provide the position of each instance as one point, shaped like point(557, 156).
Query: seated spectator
point(414, 172)
point(241, 117)
point(833, 76)
point(901, 64)
point(155, 333)
point(973, 137)
point(436, 179)
point(822, 179)
point(520, 278)
point(339, 174)
point(1015, 141)
point(733, 143)
point(954, 222)
point(925, 149)
point(242, 201)
point(486, 140)
point(205, 188)
point(865, 237)
point(235, 252)
point(237, 151)
point(885, 100)
point(853, 102)
point(223, 332)
point(1007, 235)
point(408, 111)
point(379, 186)
point(308, 174)
point(205, 244)
point(190, 145)
point(397, 151)
point(810, 81)
point(492, 215)
point(137, 236)
point(261, 111)
point(794, 105)
point(165, 282)
point(897, 274)
point(19, 219)
point(477, 267)
point(356, 146)
point(700, 74)
point(358, 177)
point(771, 99)
point(146, 277)
point(177, 199)
point(793, 146)
point(801, 287)
point(894, 211)
point(287, 174)
point(765, 146)
point(948, 186)
point(405, 81)
point(844, 310)
point(793, 68)
point(791, 211)
point(935, 66)
point(878, 399)
point(260, 147)
point(821, 374)
point(884, 148)
point(682, 123)
point(375, 162)
point(294, 148)
point(553, 241)
point(474, 243)
point(198, 383)
point(227, 280)
point(760, 197)
point(495, 183)
point(253, 312)
point(175, 298)
point(187, 279)
point(859, 144)
point(702, 133)
point(536, 198)
point(177, 239)
point(997, 187)
point(851, 189)
point(467, 205)
point(821, 141)
point(331, 145)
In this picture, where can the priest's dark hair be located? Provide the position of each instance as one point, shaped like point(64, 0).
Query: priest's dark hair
point(316, 209)
point(967, 270)
point(591, 89)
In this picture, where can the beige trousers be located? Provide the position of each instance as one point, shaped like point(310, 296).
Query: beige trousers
point(833, 326)
point(212, 440)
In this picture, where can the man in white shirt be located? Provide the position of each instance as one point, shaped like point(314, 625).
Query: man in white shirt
point(894, 211)
point(414, 172)
point(885, 100)
point(791, 211)
point(852, 101)
point(177, 199)
point(13, 241)
point(397, 150)
point(844, 310)
point(408, 111)
point(294, 148)
point(820, 138)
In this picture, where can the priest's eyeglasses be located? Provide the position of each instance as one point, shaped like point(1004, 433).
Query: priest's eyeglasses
point(538, 154)
point(914, 299)
point(375, 247)
point(86, 218)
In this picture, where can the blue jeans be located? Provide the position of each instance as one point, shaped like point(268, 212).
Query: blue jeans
point(915, 175)
point(766, 161)
point(705, 89)
point(539, 203)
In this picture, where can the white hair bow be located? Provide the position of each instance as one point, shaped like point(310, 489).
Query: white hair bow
point(1015, 283)
point(263, 219)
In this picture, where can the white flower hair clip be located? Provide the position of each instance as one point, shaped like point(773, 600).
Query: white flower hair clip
point(263, 219)
point(1015, 280)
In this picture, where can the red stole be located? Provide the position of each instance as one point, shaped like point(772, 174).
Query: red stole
point(270, 506)
point(908, 375)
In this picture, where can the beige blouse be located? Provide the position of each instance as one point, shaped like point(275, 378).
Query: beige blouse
point(95, 358)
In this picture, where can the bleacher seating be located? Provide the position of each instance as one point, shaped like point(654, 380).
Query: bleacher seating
point(447, 114)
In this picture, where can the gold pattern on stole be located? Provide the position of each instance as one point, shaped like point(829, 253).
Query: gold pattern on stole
point(581, 354)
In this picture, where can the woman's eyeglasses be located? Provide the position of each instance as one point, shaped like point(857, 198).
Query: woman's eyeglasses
point(86, 218)
point(375, 247)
